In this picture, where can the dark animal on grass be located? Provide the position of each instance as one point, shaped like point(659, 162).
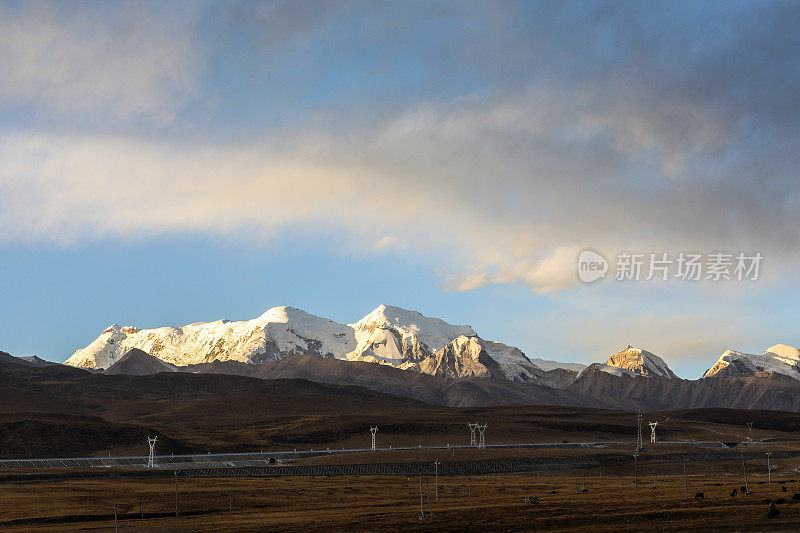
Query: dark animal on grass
point(531, 500)
point(783, 488)
point(552, 492)
point(773, 511)
point(796, 496)
point(699, 496)
point(743, 489)
point(733, 493)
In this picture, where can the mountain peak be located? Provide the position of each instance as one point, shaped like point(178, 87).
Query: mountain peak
point(137, 362)
point(781, 358)
point(389, 314)
point(284, 313)
point(388, 335)
point(395, 335)
point(784, 352)
point(641, 362)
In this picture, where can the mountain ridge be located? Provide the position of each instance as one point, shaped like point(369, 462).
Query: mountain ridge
point(390, 336)
point(387, 335)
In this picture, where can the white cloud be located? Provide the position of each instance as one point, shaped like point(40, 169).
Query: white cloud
point(388, 242)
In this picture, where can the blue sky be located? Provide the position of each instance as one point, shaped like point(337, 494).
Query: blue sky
point(167, 164)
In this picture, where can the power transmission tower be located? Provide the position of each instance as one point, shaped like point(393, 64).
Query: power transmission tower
point(482, 431)
point(151, 459)
point(373, 430)
point(472, 428)
point(652, 430)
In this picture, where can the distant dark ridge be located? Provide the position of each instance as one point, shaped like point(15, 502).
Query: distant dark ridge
point(136, 362)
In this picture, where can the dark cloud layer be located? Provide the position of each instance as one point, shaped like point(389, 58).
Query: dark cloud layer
point(520, 131)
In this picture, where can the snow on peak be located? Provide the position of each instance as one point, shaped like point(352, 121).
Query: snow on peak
point(278, 332)
point(415, 322)
point(463, 357)
point(284, 314)
point(514, 364)
point(547, 365)
point(613, 370)
point(787, 354)
point(640, 362)
point(781, 358)
point(387, 335)
point(394, 335)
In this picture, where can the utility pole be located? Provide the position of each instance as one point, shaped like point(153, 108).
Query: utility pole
point(769, 470)
point(176, 494)
point(141, 510)
point(744, 469)
point(685, 479)
point(639, 441)
point(421, 501)
point(116, 528)
point(436, 467)
point(750, 430)
point(428, 490)
point(635, 471)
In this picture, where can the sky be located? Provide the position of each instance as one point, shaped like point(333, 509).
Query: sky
point(164, 163)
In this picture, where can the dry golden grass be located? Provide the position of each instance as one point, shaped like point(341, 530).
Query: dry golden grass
point(393, 503)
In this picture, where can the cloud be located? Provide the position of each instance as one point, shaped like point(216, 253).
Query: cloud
point(124, 60)
point(501, 147)
point(388, 242)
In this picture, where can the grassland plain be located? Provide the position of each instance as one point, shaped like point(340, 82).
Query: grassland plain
point(610, 503)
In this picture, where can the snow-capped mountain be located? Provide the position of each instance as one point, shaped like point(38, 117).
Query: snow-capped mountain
point(546, 364)
point(780, 358)
point(388, 335)
point(279, 332)
point(400, 337)
point(636, 362)
point(463, 357)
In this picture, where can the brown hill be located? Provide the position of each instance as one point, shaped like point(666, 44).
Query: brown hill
point(136, 362)
point(423, 387)
point(762, 391)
